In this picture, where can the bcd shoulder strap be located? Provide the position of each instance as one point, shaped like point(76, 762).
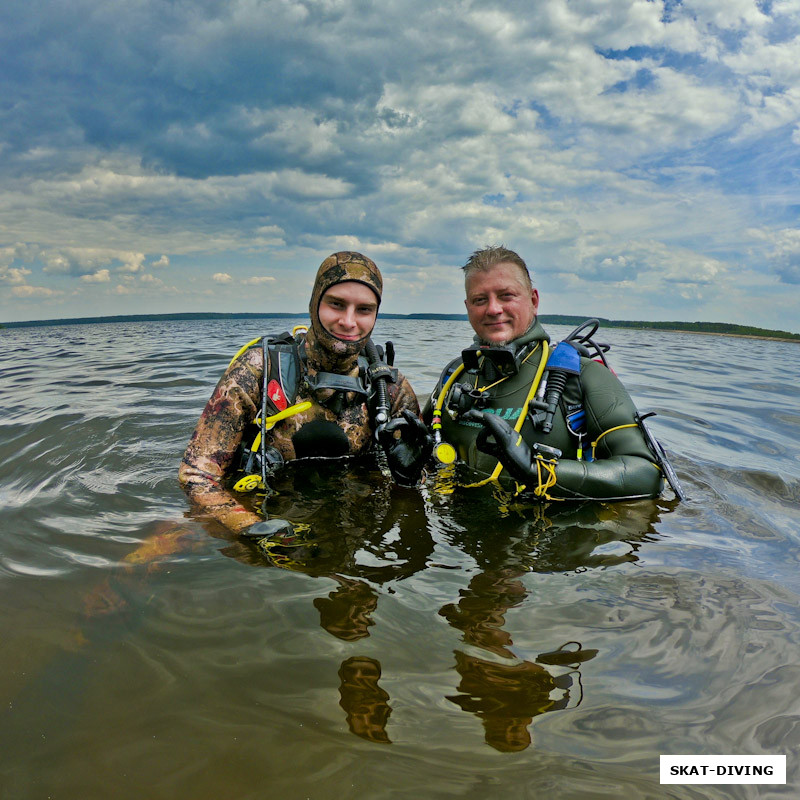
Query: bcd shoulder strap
point(281, 372)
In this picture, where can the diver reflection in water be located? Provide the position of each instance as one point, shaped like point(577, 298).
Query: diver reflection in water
point(507, 698)
point(354, 522)
point(375, 534)
point(506, 692)
point(500, 530)
point(366, 704)
point(346, 612)
point(372, 534)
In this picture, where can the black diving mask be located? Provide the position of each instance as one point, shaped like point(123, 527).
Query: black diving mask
point(502, 358)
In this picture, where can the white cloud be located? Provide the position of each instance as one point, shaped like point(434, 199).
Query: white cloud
point(33, 291)
point(783, 253)
point(160, 263)
point(295, 130)
point(732, 15)
point(221, 277)
point(14, 275)
point(101, 276)
point(649, 266)
point(257, 280)
point(82, 261)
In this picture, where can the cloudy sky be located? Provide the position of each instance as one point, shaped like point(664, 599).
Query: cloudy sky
point(164, 156)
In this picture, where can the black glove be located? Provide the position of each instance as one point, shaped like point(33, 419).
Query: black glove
point(269, 527)
point(406, 455)
point(500, 440)
point(287, 545)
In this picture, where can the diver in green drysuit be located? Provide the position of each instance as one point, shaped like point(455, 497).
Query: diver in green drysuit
point(594, 448)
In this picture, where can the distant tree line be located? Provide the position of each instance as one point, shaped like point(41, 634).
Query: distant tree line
point(547, 319)
point(692, 327)
point(707, 327)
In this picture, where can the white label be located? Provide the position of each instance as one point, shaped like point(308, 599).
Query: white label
point(723, 769)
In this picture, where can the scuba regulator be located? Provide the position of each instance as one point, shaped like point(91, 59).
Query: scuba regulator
point(499, 361)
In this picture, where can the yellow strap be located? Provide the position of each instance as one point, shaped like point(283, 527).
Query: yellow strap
point(270, 422)
point(549, 468)
point(246, 347)
point(297, 408)
point(255, 341)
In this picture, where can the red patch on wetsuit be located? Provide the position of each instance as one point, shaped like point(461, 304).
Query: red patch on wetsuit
point(276, 395)
point(600, 361)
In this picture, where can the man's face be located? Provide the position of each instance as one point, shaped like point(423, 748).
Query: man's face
point(499, 305)
point(348, 311)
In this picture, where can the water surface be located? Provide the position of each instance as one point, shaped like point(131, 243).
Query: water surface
point(425, 643)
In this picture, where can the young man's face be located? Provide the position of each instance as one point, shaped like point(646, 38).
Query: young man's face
point(348, 311)
point(499, 305)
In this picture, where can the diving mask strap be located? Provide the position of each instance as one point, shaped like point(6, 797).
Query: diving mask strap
point(338, 383)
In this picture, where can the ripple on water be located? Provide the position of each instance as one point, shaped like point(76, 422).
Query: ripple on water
point(31, 570)
point(690, 611)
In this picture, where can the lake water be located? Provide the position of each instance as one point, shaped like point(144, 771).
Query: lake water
point(429, 644)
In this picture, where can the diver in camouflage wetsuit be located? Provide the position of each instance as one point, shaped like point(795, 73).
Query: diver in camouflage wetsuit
point(589, 445)
point(343, 308)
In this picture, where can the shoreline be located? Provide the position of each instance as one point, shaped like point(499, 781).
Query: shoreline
point(547, 319)
point(711, 333)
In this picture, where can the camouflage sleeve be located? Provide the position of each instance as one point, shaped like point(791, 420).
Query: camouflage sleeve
point(210, 455)
point(401, 397)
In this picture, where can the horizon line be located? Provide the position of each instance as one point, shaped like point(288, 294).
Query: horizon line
point(554, 319)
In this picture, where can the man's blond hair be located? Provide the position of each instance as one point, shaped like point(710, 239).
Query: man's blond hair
point(489, 257)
